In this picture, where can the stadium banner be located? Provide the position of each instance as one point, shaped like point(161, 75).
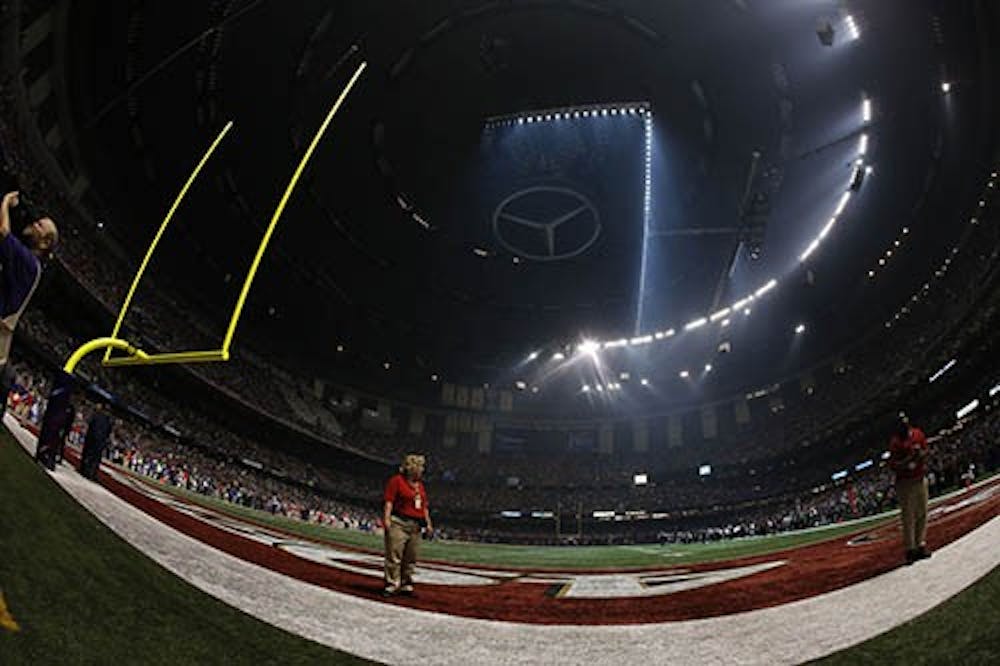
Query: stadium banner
point(462, 396)
point(741, 411)
point(640, 436)
point(485, 441)
point(606, 439)
point(709, 422)
point(477, 398)
point(448, 395)
point(675, 431)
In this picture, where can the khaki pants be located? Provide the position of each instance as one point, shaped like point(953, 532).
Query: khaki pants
point(402, 542)
point(912, 496)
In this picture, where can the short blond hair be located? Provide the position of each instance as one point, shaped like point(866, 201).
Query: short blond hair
point(412, 461)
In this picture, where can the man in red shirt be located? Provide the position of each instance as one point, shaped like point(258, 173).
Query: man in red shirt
point(405, 512)
point(908, 453)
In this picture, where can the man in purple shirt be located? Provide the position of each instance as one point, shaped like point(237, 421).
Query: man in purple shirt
point(20, 271)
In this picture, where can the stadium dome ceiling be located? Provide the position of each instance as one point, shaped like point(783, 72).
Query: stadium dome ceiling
point(410, 239)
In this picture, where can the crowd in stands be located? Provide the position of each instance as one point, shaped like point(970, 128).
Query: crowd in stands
point(214, 461)
point(217, 463)
point(247, 473)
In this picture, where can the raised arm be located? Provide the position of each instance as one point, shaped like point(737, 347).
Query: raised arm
point(10, 200)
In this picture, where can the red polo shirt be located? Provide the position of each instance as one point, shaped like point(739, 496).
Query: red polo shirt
point(406, 499)
point(908, 457)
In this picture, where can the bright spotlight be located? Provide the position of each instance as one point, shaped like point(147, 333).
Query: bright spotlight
point(589, 347)
point(684, 374)
point(800, 329)
point(644, 381)
point(586, 388)
point(852, 27)
point(946, 87)
point(532, 356)
point(708, 367)
point(558, 356)
point(520, 385)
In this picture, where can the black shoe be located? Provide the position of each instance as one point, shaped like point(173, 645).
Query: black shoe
point(921, 553)
point(406, 591)
point(911, 557)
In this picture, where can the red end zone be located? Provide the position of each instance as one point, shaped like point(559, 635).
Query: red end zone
point(550, 597)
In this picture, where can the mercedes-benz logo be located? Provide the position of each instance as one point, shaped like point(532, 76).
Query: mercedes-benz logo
point(546, 223)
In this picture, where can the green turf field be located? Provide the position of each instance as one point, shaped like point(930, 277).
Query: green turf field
point(82, 595)
point(963, 630)
point(541, 557)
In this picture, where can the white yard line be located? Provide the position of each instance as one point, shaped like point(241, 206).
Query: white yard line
point(786, 634)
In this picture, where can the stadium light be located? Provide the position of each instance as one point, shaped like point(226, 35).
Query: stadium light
point(946, 87)
point(644, 381)
point(589, 347)
point(842, 204)
point(708, 368)
point(697, 323)
point(532, 356)
point(766, 288)
point(558, 356)
point(829, 225)
point(945, 368)
point(852, 27)
point(968, 409)
point(720, 314)
point(684, 374)
point(866, 110)
point(800, 329)
point(809, 250)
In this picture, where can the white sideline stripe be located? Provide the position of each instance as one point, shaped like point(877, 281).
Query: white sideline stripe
point(787, 634)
